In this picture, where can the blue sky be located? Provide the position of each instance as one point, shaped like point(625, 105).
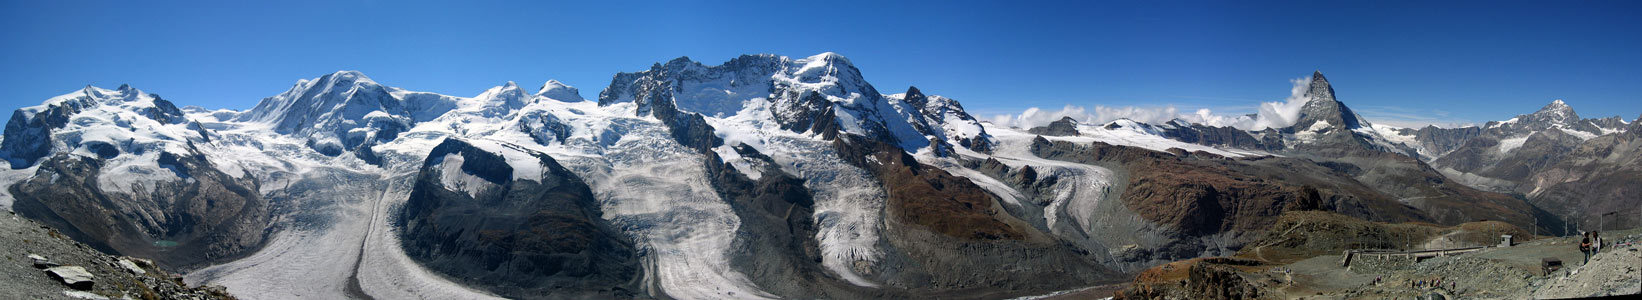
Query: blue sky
point(1391, 60)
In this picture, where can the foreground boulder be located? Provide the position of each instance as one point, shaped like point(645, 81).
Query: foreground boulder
point(59, 267)
point(73, 276)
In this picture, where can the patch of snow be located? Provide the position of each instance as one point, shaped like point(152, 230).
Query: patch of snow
point(1506, 145)
point(1128, 133)
point(1576, 133)
point(452, 177)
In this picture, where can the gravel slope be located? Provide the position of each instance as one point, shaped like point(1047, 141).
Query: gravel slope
point(19, 279)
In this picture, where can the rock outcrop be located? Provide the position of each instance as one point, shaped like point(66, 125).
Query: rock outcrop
point(1066, 126)
point(63, 268)
point(204, 216)
point(514, 222)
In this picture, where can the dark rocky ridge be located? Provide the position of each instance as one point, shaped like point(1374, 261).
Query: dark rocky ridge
point(523, 239)
point(775, 246)
point(1441, 141)
point(210, 217)
point(1202, 195)
point(1066, 126)
point(939, 109)
point(1599, 177)
point(1222, 136)
point(21, 279)
point(1550, 135)
point(941, 228)
point(1324, 108)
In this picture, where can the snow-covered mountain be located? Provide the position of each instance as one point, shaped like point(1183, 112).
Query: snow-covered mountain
point(762, 177)
point(813, 95)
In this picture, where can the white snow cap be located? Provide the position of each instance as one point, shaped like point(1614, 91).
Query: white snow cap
point(559, 91)
point(351, 74)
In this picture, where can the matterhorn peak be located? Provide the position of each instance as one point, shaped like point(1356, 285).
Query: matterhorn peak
point(1321, 106)
point(1319, 88)
point(556, 90)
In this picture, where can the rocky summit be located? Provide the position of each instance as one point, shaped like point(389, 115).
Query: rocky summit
point(768, 176)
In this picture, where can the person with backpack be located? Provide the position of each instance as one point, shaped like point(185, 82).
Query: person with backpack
point(1585, 246)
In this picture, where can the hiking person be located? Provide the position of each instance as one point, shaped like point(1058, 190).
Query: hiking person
point(1596, 242)
point(1585, 247)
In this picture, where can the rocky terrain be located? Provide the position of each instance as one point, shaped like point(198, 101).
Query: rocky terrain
point(1290, 265)
point(764, 177)
point(117, 199)
point(534, 232)
point(32, 249)
point(1578, 169)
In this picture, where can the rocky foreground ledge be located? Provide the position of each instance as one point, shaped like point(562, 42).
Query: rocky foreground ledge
point(1286, 265)
point(40, 263)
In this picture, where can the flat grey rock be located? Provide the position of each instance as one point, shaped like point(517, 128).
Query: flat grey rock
point(73, 276)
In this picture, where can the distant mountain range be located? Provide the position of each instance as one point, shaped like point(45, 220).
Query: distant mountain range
point(762, 177)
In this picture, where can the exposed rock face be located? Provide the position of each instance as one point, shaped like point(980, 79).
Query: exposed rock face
point(73, 276)
point(822, 94)
point(1066, 126)
point(1224, 136)
point(206, 217)
point(930, 197)
point(1445, 201)
point(65, 268)
point(945, 226)
point(1598, 177)
point(960, 127)
point(1440, 141)
point(1199, 196)
point(775, 244)
point(1324, 108)
point(526, 231)
point(1206, 278)
point(1505, 154)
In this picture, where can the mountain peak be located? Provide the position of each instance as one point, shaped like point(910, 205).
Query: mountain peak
point(830, 57)
point(1557, 111)
point(559, 91)
point(349, 74)
point(1319, 87)
point(678, 63)
point(1555, 105)
point(338, 79)
point(1321, 106)
point(915, 97)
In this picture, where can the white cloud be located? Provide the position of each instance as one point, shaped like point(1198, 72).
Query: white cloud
point(1285, 113)
point(1270, 115)
point(1034, 117)
point(1276, 114)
